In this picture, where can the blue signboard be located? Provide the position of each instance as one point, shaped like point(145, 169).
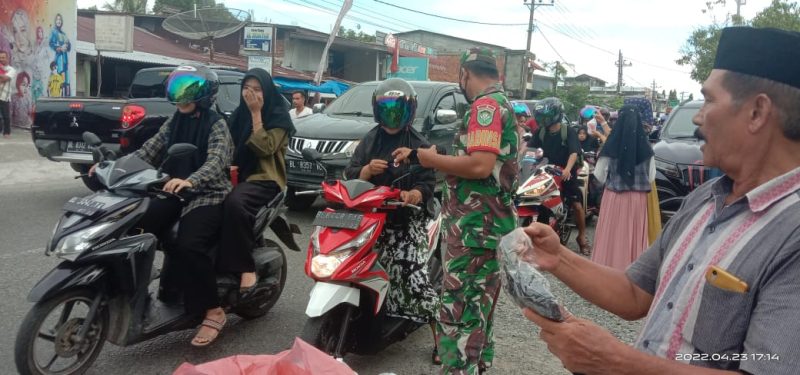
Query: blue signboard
point(410, 68)
point(258, 38)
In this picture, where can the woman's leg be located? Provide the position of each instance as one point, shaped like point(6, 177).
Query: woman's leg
point(197, 233)
point(159, 218)
point(238, 239)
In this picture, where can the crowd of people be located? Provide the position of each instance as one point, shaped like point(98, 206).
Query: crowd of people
point(742, 226)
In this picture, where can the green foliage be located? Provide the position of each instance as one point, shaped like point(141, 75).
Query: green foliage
point(355, 35)
point(673, 95)
point(701, 46)
point(691, 96)
point(613, 102)
point(126, 6)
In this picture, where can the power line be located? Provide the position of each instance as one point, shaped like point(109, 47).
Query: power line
point(450, 18)
point(376, 17)
point(556, 51)
point(323, 9)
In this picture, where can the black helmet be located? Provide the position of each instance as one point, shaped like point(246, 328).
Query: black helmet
point(549, 111)
point(192, 84)
point(394, 103)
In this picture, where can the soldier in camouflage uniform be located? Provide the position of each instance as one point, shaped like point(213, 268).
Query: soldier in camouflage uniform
point(479, 209)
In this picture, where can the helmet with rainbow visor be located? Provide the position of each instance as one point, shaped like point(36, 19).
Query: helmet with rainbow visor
point(192, 84)
point(394, 103)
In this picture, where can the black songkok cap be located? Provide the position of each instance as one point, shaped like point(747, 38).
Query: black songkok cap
point(762, 52)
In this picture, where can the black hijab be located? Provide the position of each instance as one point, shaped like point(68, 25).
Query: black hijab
point(628, 143)
point(274, 114)
point(193, 128)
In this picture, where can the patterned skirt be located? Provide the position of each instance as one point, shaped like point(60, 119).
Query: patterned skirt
point(405, 255)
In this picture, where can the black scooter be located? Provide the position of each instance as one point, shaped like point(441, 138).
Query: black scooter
point(101, 291)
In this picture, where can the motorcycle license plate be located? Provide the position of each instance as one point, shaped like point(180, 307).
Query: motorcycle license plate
point(89, 206)
point(338, 219)
point(79, 147)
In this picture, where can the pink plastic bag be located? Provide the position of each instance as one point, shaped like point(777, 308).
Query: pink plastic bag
point(301, 359)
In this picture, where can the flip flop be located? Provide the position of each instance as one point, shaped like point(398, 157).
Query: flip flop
point(201, 341)
point(435, 357)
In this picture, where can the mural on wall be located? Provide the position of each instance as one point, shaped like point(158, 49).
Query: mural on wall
point(38, 36)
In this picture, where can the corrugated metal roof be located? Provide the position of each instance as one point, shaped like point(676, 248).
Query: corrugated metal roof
point(87, 48)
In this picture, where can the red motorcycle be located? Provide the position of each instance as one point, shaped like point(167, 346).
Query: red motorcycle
point(538, 198)
point(345, 311)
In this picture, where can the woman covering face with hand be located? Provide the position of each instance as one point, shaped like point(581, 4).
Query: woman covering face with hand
point(261, 129)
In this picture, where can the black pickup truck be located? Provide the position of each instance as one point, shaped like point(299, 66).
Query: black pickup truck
point(123, 124)
point(337, 130)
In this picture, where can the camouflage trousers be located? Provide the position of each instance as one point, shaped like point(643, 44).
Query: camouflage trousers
point(470, 291)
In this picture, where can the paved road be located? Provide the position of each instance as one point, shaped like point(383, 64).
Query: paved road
point(32, 190)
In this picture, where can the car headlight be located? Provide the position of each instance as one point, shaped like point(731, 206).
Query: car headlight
point(667, 168)
point(74, 244)
point(324, 265)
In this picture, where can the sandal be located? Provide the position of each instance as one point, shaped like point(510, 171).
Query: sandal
point(201, 341)
point(246, 291)
point(585, 247)
point(435, 357)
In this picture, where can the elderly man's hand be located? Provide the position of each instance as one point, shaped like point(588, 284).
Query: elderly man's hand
point(546, 246)
point(582, 346)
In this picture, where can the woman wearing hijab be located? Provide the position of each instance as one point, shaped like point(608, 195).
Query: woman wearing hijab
point(191, 263)
point(403, 244)
point(261, 129)
point(627, 167)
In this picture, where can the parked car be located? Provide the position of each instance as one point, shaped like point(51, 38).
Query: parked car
point(336, 131)
point(679, 161)
point(123, 124)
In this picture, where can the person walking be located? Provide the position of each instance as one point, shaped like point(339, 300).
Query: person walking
point(7, 78)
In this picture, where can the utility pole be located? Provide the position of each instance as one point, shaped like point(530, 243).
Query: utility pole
point(654, 95)
point(558, 69)
point(739, 3)
point(621, 63)
point(531, 6)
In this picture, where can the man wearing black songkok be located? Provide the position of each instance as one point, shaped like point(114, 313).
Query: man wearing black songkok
point(720, 286)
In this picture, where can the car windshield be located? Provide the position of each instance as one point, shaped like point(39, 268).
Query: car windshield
point(149, 84)
point(228, 97)
point(358, 101)
point(680, 124)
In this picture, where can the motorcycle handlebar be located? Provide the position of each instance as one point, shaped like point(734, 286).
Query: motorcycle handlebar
point(401, 204)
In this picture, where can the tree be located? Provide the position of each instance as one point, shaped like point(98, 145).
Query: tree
point(701, 47)
point(691, 96)
point(181, 5)
point(673, 96)
point(613, 102)
point(127, 6)
point(355, 35)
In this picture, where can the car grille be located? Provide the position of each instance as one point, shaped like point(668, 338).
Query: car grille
point(695, 175)
point(326, 147)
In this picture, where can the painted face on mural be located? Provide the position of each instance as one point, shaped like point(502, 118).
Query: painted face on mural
point(22, 37)
point(39, 35)
point(59, 21)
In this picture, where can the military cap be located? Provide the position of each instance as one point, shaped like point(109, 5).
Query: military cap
point(479, 56)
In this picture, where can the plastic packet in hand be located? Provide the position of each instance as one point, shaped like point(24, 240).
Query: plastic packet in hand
point(521, 280)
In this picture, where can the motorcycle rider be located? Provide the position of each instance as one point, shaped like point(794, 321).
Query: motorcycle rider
point(403, 245)
point(560, 145)
point(260, 128)
point(193, 89)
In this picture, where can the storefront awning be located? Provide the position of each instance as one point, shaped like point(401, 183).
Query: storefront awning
point(328, 87)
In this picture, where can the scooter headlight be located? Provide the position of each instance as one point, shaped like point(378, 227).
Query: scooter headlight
point(324, 265)
point(539, 190)
point(74, 244)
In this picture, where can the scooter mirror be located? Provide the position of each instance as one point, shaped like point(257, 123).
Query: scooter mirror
point(180, 150)
point(91, 139)
point(310, 154)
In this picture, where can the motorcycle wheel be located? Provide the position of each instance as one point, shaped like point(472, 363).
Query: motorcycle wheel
point(259, 309)
point(38, 327)
point(323, 331)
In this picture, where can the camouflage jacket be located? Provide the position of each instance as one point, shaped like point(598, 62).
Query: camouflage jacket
point(479, 212)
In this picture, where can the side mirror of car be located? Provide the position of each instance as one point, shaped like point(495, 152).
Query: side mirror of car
point(310, 154)
point(181, 150)
point(446, 116)
point(318, 108)
point(91, 139)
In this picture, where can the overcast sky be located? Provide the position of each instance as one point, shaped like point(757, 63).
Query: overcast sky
point(587, 34)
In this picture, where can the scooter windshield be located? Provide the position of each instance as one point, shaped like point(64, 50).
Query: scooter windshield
point(529, 164)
